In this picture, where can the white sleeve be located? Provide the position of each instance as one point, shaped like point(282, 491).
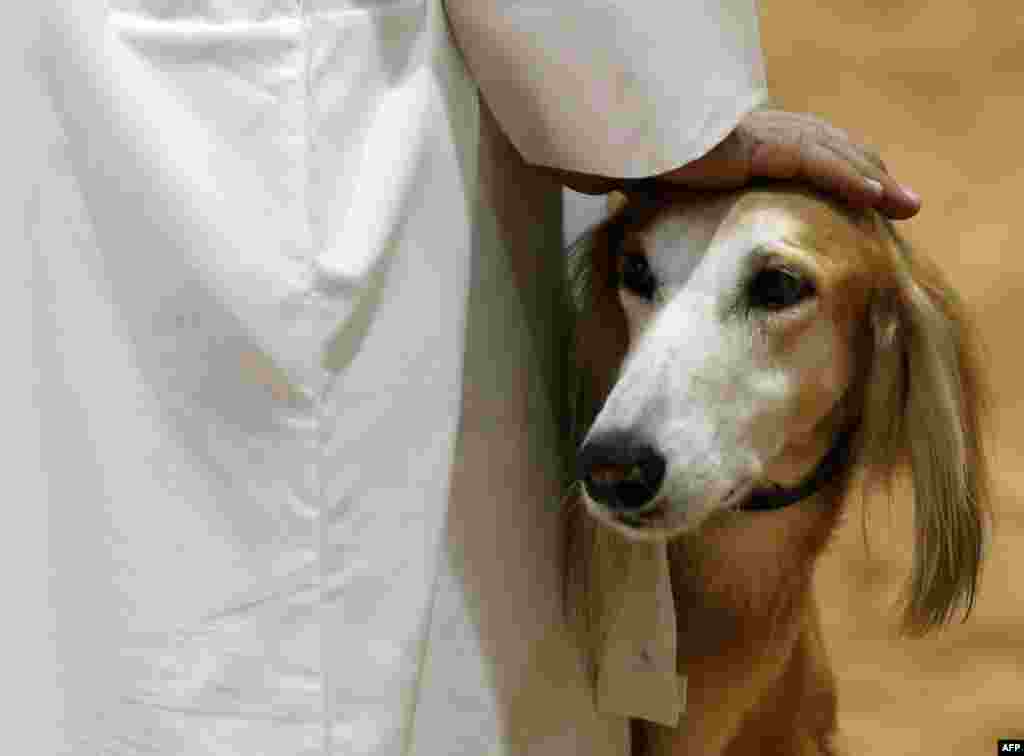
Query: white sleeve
point(624, 88)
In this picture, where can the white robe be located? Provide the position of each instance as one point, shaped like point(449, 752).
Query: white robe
point(285, 359)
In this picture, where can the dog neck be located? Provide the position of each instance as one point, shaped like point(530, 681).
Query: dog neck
point(833, 465)
point(748, 634)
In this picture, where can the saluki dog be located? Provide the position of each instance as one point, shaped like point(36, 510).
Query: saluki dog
point(739, 356)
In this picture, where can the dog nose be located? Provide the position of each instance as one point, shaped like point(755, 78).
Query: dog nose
point(620, 471)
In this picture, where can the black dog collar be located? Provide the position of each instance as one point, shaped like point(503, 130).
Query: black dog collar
point(830, 467)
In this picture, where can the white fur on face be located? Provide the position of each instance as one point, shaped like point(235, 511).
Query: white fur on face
point(719, 389)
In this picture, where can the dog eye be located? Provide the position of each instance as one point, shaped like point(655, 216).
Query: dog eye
point(636, 276)
point(777, 289)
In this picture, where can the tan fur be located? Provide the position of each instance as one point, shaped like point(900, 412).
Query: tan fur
point(749, 637)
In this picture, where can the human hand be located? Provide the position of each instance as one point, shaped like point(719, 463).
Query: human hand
point(781, 145)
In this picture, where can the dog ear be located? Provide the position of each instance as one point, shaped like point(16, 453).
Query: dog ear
point(924, 404)
point(600, 336)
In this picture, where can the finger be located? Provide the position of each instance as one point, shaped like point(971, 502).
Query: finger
point(896, 201)
point(827, 133)
point(830, 171)
point(872, 156)
point(775, 153)
point(859, 157)
point(899, 202)
point(781, 148)
point(861, 151)
point(786, 152)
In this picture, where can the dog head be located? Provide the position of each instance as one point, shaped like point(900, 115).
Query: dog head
point(727, 340)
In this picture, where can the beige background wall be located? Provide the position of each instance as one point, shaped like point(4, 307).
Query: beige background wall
point(938, 87)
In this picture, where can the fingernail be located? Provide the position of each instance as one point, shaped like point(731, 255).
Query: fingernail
point(876, 187)
point(911, 194)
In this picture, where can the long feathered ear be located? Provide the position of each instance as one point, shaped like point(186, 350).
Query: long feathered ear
point(600, 335)
point(600, 338)
point(924, 404)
